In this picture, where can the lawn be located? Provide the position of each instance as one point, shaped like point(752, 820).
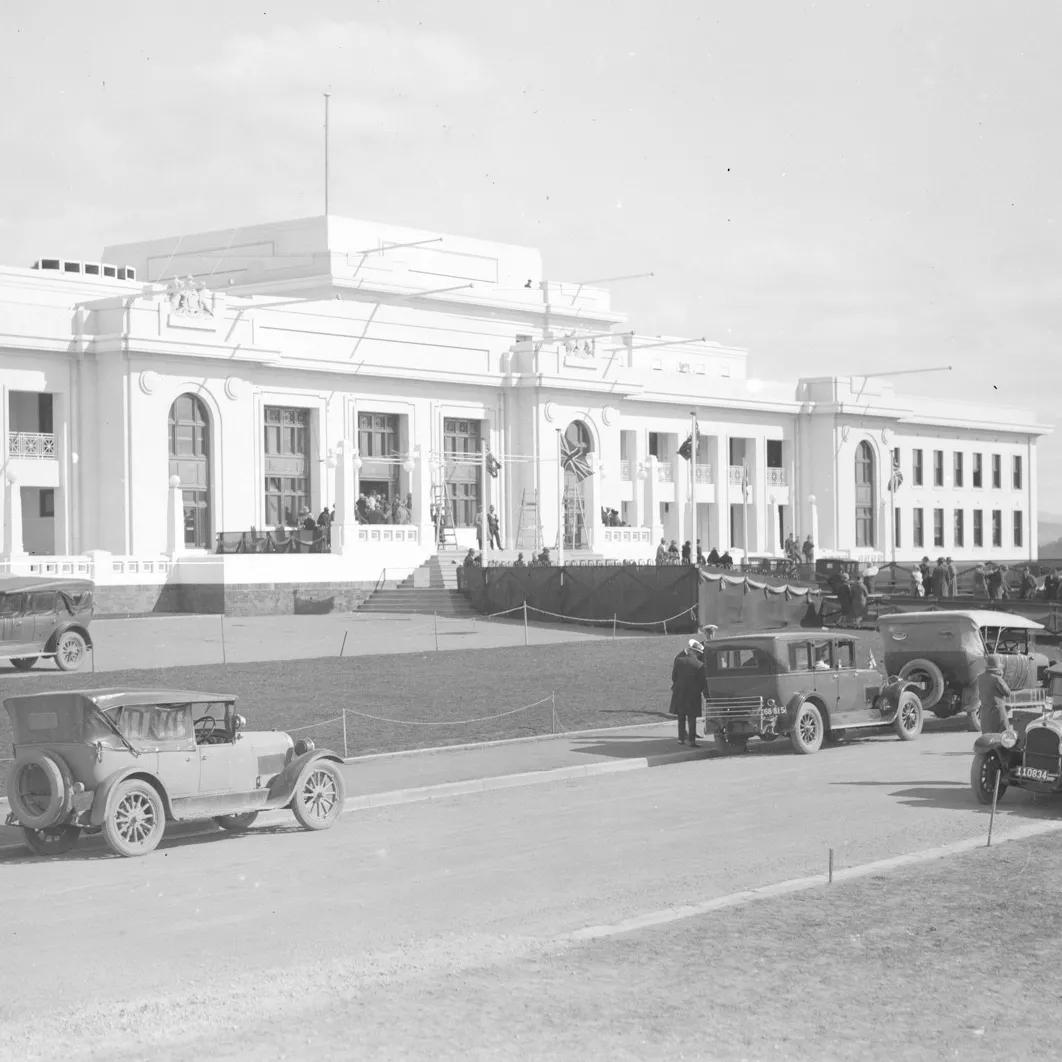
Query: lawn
point(954, 959)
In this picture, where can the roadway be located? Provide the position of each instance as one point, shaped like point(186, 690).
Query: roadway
point(225, 946)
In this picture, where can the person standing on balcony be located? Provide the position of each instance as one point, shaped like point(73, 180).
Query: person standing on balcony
point(661, 552)
point(493, 528)
point(809, 551)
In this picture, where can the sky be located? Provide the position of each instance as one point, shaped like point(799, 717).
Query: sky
point(836, 187)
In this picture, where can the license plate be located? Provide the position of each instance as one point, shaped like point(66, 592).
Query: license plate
point(1034, 774)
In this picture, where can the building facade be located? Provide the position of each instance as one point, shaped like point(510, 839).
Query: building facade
point(224, 381)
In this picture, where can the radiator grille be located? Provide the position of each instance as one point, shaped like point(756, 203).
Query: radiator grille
point(1041, 749)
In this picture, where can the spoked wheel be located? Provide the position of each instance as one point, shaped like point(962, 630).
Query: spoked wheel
point(53, 840)
point(983, 773)
point(70, 651)
point(909, 716)
point(319, 794)
point(137, 819)
point(808, 730)
point(236, 823)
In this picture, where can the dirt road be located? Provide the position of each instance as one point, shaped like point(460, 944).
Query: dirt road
point(224, 947)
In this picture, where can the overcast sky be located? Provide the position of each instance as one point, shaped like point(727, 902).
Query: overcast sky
point(837, 187)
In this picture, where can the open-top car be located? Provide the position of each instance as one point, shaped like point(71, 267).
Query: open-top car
point(805, 684)
point(943, 652)
point(125, 762)
point(45, 618)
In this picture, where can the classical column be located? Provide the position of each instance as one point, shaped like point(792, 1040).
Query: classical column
point(814, 522)
point(652, 506)
point(344, 528)
point(175, 518)
point(13, 543)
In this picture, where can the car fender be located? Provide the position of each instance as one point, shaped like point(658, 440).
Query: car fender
point(53, 641)
point(891, 692)
point(102, 800)
point(282, 787)
point(989, 743)
point(798, 700)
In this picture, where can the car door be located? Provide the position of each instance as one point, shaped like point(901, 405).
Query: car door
point(41, 611)
point(171, 728)
point(215, 761)
point(857, 688)
point(12, 624)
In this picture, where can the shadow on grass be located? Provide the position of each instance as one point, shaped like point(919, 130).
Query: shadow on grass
point(956, 796)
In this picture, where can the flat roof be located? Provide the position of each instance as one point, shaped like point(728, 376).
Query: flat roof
point(982, 617)
point(117, 697)
point(13, 583)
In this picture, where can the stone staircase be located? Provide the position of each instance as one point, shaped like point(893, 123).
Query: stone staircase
point(432, 588)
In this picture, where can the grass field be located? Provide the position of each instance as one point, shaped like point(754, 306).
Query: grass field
point(955, 959)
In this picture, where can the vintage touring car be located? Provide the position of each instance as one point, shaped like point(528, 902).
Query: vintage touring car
point(805, 684)
point(943, 652)
point(45, 618)
point(1028, 755)
point(125, 762)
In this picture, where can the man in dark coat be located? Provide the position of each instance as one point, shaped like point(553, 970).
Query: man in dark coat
point(940, 579)
point(687, 689)
point(980, 581)
point(995, 584)
point(927, 575)
point(859, 599)
point(1028, 586)
point(992, 691)
point(953, 578)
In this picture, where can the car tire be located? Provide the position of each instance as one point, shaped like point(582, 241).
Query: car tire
point(39, 801)
point(136, 818)
point(983, 773)
point(24, 663)
point(928, 675)
point(319, 794)
point(909, 716)
point(808, 729)
point(70, 649)
point(52, 840)
point(236, 823)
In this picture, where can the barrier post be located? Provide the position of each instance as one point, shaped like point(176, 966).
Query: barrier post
point(344, 645)
point(992, 817)
point(665, 626)
point(831, 866)
point(614, 625)
point(553, 703)
point(525, 622)
point(435, 620)
point(224, 655)
point(92, 653)
point(346, 754)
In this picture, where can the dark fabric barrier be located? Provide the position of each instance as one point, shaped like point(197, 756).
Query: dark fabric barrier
point(738, 603)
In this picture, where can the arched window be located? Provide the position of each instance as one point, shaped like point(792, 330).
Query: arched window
point(578, 434)
point(189, 427)
point(865, 496)
point(579, 443)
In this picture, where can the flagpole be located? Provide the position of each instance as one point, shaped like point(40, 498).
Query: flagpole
point(483, 497)
point(326, 97)
point(560, 503)
point(745, 502)
point(693, 485)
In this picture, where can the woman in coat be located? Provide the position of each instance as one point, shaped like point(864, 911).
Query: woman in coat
point(687, 688)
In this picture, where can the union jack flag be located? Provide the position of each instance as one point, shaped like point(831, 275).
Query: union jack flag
point(896, 479)
point(573, 459)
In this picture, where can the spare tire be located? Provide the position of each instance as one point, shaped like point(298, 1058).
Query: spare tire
point(929, 679)
point(39, 789)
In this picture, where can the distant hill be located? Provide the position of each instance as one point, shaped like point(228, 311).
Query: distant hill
point(1051, 550)
point(1049, 533)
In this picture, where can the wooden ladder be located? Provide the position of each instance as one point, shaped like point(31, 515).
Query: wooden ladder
point(445, 535)
point(575, 536)
point(530, 524)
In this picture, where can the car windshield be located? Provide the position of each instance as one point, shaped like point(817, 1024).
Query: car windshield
point(1005, 640)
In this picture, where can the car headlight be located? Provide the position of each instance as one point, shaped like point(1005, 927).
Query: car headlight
point(1008, 739)
point(771, 702)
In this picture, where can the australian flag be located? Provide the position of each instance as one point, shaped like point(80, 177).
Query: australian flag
point(573, 458)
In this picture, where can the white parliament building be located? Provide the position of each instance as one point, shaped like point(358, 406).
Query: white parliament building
point(195, 385)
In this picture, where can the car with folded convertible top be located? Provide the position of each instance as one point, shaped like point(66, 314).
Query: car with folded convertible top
point(46, 618)
point(805, 684)
point(125, 762)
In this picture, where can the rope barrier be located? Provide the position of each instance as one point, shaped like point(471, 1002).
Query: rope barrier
point(310, 726)
point(448, 722)
point(689, 613)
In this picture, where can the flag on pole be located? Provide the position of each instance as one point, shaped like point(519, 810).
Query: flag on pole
point(493, 465)
point(686, 449)
point(744, 481)
point(573, 459)
point(896, 479)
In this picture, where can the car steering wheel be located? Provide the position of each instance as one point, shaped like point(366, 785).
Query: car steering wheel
point(208, 723)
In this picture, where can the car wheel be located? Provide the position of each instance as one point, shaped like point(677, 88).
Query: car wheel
point(236, 823)
point(39, 789)
point(319, 794)
point(929, 679)
point(983, 773)
point(52, 841)
point(808, 730)
point(136, 820)
point(70, 651)
point(909, 716)
point(24, 663)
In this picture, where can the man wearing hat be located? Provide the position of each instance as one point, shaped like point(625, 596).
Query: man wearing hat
point(306, 519)
point(687, 688)
point(991, 691)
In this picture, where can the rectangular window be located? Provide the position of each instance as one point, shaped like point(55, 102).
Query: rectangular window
point(938, 527)
point(916, 467)
point(897, 523)
point(960, 527)
point(800, 657)
point(774, 453)
point(957, 470)
point(287, 465)
point(1017, 527)
point(1017, 472)
point(977, 470)
point(47, 505)
point(938, 468)
point(978, 528)
point(377, 435)
point(997, 471)
point(461, 443)
point(997, 528)
point(918, 533)
point(654, 444)
point(45, 421)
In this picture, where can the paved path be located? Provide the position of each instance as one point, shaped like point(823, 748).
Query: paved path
point(215, 945)
point(167, 641)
